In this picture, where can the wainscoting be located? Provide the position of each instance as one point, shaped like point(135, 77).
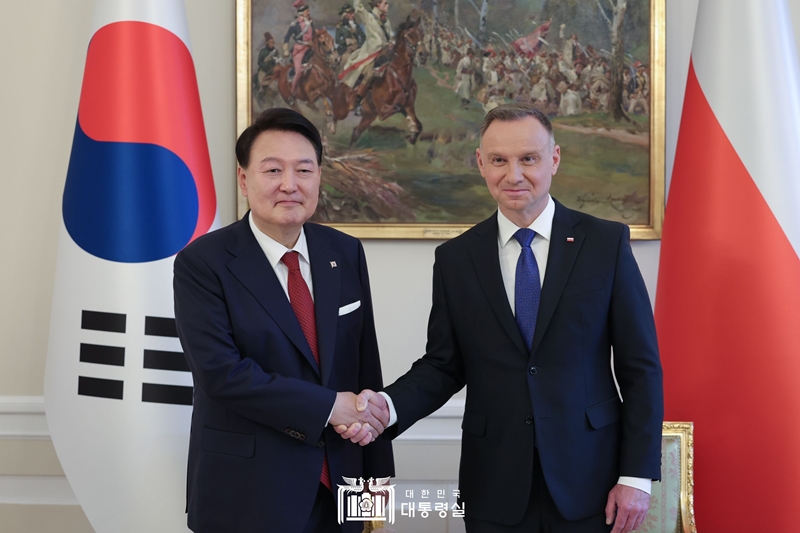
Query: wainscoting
point(35, 497)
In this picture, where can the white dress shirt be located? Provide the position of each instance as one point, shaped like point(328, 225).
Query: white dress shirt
point(275, 252)
point(509, 249)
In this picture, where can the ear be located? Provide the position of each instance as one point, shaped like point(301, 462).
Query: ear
point(479, 159)
point(556, 159)
point(241, 179)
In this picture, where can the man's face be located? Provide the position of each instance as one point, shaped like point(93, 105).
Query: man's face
point(271, 43)
point(518, 165)
point(383, 7)
point(349, 15)
point(281, 182)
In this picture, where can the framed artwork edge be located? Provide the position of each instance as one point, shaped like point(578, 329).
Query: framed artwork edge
point(684, 432)
point(448, 231)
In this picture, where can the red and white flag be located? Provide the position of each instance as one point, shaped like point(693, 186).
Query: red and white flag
point(728, 300)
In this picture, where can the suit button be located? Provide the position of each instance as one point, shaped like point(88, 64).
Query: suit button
point(288, 431)
point(301, 436)
point(529, 420)
point(321, 444)
point(534, 370)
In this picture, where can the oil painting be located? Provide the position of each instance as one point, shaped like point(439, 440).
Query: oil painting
point(399, 88)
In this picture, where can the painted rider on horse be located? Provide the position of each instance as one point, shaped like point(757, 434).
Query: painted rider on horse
point(359, 69)
point(301, 33)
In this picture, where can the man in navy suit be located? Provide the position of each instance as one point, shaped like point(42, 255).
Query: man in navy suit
point(527, 306)
point(275, 318)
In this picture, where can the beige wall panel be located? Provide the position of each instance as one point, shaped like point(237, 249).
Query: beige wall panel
point(28, 458)
point(20, 457)
point(43, 519)
point(44, 46)
point(435, 461)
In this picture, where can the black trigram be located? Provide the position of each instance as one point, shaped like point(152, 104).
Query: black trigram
point(115, 356)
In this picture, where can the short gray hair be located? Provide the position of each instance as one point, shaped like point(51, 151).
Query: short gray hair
point(518, 111)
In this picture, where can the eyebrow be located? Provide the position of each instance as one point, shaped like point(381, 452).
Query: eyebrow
point(279, 160)
point(536, 153)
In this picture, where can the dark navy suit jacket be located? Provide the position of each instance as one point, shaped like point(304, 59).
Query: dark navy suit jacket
point(559, 396)
point(260, 399)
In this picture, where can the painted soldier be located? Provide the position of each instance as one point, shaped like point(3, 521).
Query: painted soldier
point(464, 71)
point(267, 59)
point(349, 35)
point(358, 70)
point(301, 34)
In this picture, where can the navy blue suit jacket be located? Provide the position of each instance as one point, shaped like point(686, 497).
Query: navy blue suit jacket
point(260, 399)
point(559, 396)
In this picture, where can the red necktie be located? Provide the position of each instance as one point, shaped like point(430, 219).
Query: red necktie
point(303, 306)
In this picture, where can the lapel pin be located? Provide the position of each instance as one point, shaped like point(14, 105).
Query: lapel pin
point(333, 264)
point(570, 239)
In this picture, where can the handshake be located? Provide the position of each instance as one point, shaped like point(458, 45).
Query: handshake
point(360, 418)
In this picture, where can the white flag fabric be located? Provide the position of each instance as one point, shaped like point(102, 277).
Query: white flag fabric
point(139, 187)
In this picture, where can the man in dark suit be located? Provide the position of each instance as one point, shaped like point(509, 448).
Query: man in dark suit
point(275, 318)
point(527, 306)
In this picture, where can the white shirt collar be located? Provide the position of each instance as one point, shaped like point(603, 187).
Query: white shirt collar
point(543, 225)
point(275, 250)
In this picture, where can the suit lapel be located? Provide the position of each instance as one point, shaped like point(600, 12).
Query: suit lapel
point(327, 287)
point(252, 269)
point(486, 261)
point(560, 260)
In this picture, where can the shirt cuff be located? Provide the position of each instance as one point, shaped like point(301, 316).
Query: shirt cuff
point(330, 415)
point(392, 412)
point(640, 483)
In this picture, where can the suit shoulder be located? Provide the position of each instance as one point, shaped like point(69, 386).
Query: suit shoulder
point(600, 226)
point(332, 237)
point(211, 241)
point(465, 240)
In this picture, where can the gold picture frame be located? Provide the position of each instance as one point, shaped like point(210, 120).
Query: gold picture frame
point(654, 211)
point(683, 433)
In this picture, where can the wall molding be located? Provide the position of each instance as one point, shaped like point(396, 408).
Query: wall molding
point(22, 417)
point(36, 490)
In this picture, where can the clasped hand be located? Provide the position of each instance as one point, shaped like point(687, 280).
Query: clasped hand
point(360, 418)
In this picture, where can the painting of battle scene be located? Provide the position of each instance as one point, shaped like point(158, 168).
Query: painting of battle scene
point(398, 89)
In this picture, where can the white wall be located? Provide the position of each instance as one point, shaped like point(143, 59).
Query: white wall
point(42, 52)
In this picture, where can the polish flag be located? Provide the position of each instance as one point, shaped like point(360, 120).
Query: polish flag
point(728, 300)
point(118, 391)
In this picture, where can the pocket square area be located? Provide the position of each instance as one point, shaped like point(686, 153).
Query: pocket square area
point(349, 308)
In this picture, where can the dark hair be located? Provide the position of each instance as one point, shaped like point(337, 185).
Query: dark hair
point(278, 119)
point(517, 111)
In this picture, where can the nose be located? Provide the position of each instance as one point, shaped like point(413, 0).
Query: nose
point(289, 181)
point(515, 173)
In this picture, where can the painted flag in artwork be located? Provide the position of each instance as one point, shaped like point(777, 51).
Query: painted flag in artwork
point(728, 298)
point(139, 188)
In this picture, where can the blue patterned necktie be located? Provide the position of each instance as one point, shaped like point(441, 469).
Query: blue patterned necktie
point(527, 289)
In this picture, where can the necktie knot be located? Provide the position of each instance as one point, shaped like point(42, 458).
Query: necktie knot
point(290, 259)
point(525, 237)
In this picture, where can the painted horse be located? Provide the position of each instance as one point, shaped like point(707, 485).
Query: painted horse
point(317, 80)
point(394, 92)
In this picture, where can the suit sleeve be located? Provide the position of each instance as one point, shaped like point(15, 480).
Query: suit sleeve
point(434, 378)
point(378, 457)
point(637, 368)
point(240, 384)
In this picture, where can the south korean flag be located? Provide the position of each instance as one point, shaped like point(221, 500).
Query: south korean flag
point(139, 188)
